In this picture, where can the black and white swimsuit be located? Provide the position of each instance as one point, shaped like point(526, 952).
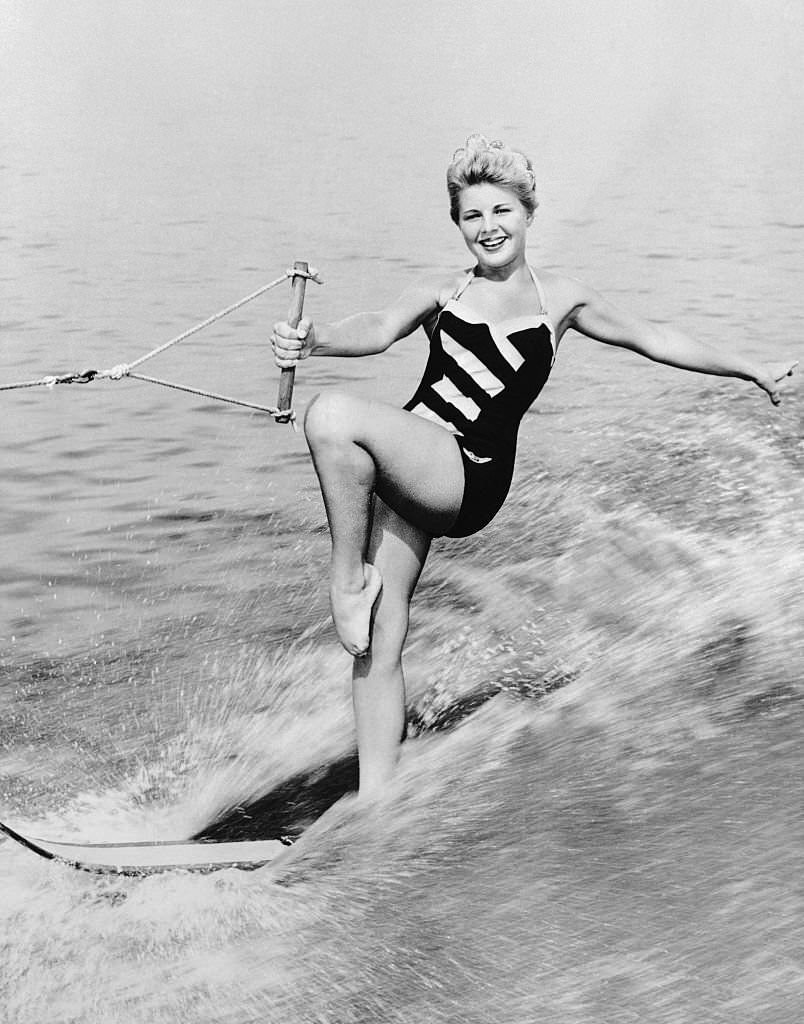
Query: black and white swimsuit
point(479, 381)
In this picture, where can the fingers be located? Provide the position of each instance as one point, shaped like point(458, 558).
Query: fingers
point(772, 377)
point(290, 344)
point(283, 331)
point(769, 386)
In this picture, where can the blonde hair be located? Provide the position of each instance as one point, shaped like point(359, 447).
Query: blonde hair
point(482, 161)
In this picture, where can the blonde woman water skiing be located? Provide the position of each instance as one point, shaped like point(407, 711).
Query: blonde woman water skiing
point(393, 479)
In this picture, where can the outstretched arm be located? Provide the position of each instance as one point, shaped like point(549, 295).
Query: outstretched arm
point(360, 335)
point(597, 318)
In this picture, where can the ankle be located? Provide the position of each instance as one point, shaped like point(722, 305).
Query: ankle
point(347, 580)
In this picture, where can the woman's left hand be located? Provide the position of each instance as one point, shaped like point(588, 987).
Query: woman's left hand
point(771, 376)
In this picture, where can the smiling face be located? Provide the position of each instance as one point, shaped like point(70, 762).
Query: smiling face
point(494, 225)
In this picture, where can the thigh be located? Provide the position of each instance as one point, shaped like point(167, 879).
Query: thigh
point(419, 467)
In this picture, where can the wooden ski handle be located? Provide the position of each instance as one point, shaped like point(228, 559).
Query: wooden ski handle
point(288, 373)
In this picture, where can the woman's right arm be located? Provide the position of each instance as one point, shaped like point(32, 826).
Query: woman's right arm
point(360, 335)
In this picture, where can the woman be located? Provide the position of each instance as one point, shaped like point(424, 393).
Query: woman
point(392, 479)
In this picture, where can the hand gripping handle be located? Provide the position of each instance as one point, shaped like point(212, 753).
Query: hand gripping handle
point(287, 376)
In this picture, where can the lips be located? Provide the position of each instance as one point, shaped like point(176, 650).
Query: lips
point(492, 244)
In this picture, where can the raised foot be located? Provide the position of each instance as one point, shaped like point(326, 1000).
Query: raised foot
point(351, 611)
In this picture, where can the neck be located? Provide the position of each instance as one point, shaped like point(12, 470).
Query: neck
point(516, 267)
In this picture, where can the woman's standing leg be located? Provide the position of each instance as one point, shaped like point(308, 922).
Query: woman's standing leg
point(390, 481)
point(399, 551)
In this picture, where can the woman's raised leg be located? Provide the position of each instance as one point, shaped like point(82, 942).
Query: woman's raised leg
point(361, 448)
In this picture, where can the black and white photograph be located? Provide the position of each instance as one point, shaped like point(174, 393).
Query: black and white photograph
point(402, 450)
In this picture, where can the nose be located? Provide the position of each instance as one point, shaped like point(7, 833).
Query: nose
point(488, 223)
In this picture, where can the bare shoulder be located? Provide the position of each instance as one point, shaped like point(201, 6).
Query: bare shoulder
point(432, 289)
point(419, 303)
point(566, 290)
point(449, 285)
point(564, 294)
point(422, 300)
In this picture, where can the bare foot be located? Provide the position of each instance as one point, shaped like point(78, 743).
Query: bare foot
point(351, 611)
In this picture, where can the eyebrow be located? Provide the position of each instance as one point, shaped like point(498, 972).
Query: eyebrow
point(495, 206)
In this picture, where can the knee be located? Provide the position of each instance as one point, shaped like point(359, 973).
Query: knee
point(329, 418)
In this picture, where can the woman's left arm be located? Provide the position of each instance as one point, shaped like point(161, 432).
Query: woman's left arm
point(596, 317)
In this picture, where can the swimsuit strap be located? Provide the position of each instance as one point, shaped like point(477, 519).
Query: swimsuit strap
point(463, 285)
point(470, 276)
point(539, 289)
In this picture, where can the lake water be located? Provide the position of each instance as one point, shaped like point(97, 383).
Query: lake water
point(615, 833)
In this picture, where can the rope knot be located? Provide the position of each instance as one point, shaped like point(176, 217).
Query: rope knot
point(285, 416)
point(117, 372)
point(311, 274)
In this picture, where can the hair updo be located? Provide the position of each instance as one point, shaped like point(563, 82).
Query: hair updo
point(481, 161)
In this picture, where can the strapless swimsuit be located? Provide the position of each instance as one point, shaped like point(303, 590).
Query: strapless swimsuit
point(479, 381)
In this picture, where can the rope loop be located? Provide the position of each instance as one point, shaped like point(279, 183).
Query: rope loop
point(116, 372)
point(285, 416)
point(311, 274)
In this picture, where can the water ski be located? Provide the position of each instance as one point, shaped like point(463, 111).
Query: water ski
point(149, 858)
point(247, 836)
point(252, 834)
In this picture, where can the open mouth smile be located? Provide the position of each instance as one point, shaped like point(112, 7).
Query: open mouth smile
point(492, 244)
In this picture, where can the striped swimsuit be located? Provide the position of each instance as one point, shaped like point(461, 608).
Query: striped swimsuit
point(479, 381)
